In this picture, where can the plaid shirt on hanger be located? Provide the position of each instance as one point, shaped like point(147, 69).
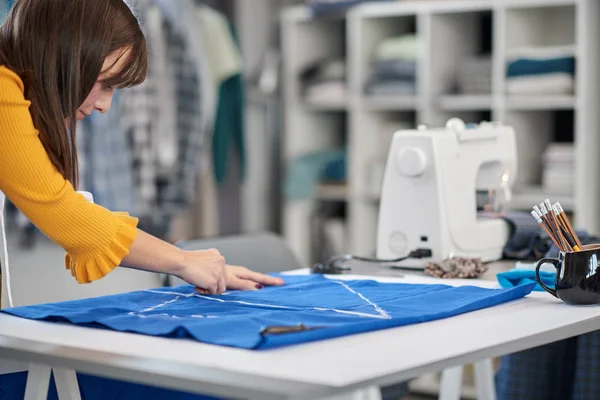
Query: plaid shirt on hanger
point(191, 127)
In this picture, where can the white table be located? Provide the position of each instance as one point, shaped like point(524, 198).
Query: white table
point(313, 370)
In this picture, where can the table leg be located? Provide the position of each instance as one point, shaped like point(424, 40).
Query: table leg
point(451, 384)
point(38, 381)
point(484, 380)
point(369, 393)
point(67, 385)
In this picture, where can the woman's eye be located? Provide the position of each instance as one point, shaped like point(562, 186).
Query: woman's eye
point(108, 87)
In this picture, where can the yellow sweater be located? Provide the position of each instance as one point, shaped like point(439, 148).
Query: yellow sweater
point(96, 240)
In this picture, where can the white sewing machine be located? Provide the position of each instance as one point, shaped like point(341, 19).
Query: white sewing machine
point(430, 189)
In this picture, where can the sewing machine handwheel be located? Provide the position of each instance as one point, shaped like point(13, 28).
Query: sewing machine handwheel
point(411, 161)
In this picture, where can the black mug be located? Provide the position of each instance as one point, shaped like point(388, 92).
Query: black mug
point(577, 276)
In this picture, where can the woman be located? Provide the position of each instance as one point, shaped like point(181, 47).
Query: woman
point(60, 60)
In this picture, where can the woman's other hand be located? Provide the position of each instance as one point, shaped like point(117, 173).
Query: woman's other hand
point(241, 278)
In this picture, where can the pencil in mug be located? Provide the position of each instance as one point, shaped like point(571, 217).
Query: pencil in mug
point(539, 220)
point(547, 215)
point(557, 226)
point(562, 217)
point(542, 220)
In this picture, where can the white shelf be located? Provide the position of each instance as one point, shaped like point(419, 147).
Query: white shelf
point(465, 102)
point(333, 192)
point(341, 105)
point(541, 102)
point(525, 199)
point(515, 4)
point(390, 103)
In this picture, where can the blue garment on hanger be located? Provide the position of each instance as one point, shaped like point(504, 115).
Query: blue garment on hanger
point(327, 307)
point(229, 124)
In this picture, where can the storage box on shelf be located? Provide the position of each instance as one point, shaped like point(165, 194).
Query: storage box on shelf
point(467, 58)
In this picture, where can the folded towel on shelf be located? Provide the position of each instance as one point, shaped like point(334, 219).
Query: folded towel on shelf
point(326, 93)
point(548, 84)
point(527, 66)
point(391, 88)
point(558, 175)
point(305, 172)
point(396, 69)
point(404, 47)
point(327, 7)
point(325, 82)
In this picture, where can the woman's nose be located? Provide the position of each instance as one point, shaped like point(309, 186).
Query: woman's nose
point(104, 102)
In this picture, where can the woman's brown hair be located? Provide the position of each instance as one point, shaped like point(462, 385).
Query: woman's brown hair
point(58, 47)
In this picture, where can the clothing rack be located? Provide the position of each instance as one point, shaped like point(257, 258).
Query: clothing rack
point(171, 151)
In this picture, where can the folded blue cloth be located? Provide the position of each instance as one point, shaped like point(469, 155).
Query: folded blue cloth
point(524, 66)
point(518, 277)
point(329, 308)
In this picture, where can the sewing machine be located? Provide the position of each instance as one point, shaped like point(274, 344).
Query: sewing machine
point(430, 192)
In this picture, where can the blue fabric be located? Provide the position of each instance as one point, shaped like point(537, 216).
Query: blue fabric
point(524, 67)
point(336, 308)
point(517, 277)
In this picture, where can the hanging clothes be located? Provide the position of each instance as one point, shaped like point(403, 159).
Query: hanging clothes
point(183, 60)
point(166, 139)
point(139, 113)
point(106, 161)
point(226, 65)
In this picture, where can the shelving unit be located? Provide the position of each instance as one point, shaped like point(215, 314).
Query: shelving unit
point(447, 33)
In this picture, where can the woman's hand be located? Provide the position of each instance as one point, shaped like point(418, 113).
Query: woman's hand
point(204, 269)
point(241, 278)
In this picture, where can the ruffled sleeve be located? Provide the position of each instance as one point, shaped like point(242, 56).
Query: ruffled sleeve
point(94, 265)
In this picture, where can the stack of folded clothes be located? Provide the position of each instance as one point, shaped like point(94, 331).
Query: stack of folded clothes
point(394, 67)
point(558, 175)
point(541, 71)
point(325, 83)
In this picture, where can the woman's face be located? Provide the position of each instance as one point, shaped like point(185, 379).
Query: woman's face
point(101, 95)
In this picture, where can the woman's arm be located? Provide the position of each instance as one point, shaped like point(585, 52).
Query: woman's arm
point(205, 269)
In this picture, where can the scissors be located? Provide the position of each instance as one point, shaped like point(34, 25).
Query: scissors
point(283, 329)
